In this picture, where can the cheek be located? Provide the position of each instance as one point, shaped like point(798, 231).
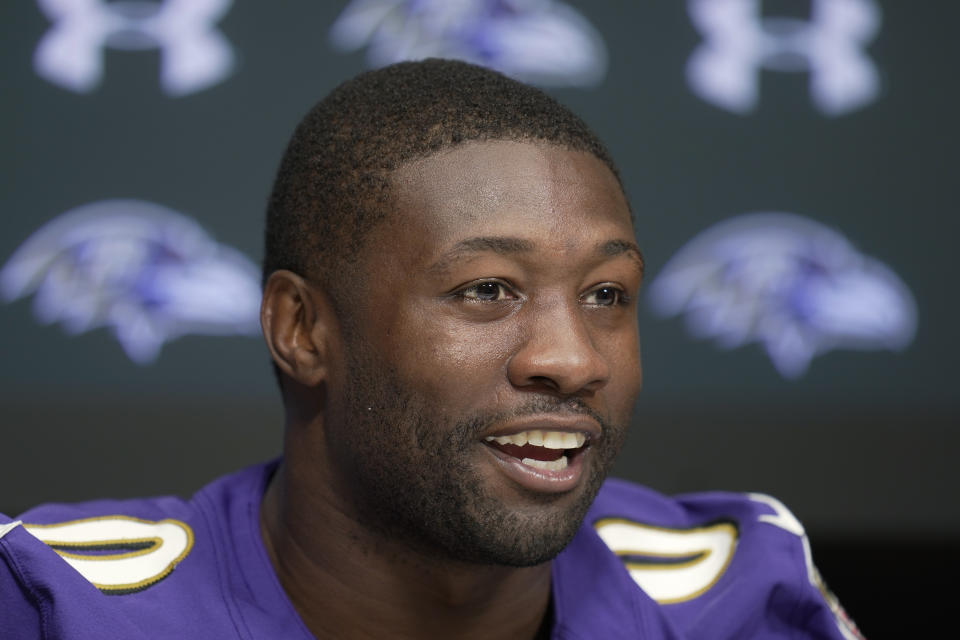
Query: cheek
point(626, 372)
point(446, 359)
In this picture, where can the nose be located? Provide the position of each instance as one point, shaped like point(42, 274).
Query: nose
point(558, 354)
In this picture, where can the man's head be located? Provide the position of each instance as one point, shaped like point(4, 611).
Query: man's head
point(333, 184)
point(459, 335)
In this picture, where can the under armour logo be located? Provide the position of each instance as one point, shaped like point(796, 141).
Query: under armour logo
point(194, 55)
point(724, 70)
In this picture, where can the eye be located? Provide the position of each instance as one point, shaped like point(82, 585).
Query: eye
point(605, 296)
point(487, 291)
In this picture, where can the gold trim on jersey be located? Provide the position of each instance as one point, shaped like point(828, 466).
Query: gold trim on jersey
point(66, 546)
point(645, 574)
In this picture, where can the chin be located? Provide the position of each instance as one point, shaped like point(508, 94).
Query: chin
point(494, 532)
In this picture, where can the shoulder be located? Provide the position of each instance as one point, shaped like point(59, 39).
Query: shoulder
point(62, 565)
point(140, 565)
point(117, 546)
point(678, 548)
point(747, 512)
point(743, 557)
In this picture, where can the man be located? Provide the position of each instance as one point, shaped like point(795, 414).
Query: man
point(450, 303)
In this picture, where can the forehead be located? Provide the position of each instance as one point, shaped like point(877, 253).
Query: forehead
point(504, 188)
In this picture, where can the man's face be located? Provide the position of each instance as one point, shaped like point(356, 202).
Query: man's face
point(491, 356)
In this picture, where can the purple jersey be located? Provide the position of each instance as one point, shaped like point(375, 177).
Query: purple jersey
point(642, 566)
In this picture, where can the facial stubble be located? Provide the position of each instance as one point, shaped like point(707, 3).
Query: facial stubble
point(415, 478)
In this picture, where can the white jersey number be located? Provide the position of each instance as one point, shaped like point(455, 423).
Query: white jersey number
point(118, 554)
point(670, 565)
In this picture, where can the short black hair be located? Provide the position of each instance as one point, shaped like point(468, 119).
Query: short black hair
point(333, 184)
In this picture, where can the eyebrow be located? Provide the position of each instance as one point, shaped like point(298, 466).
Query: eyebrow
point(512, 246)
point(617, 247)
point(496, 244)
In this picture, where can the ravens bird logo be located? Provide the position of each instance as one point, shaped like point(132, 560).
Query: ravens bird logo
point(546, 43)
point(791, 284)
point(145, 271)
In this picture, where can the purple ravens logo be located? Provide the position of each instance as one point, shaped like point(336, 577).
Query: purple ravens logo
point(538, 41)
point(148, 273)
point(794, 286)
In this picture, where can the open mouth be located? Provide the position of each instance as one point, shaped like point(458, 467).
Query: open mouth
point(544, 450)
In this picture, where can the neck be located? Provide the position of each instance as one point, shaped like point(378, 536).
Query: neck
point(346, 581)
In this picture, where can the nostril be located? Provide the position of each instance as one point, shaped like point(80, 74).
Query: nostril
point(544, 381)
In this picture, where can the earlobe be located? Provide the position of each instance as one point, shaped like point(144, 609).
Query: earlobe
point(294, 316)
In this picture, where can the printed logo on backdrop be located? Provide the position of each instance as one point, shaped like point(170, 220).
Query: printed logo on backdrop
point(145, 271)
point(537, 41)
point(793, 285)
point(194, 55)
point(738, 43)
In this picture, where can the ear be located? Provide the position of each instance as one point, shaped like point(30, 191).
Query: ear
point(296, 318)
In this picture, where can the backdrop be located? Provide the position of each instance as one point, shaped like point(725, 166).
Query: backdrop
point(791, 166)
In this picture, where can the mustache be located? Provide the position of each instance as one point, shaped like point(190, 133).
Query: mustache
point(551, 404)
point(466, 431)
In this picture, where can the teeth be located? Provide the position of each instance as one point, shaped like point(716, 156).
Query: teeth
point(538, 438)
point(561, 440)
point(518, 439)
point(554, 440)
point(549, 465)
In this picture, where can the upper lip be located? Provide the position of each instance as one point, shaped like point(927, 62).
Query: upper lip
point(568, 422)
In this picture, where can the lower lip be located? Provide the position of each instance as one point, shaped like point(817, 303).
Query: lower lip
point(540, 480)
